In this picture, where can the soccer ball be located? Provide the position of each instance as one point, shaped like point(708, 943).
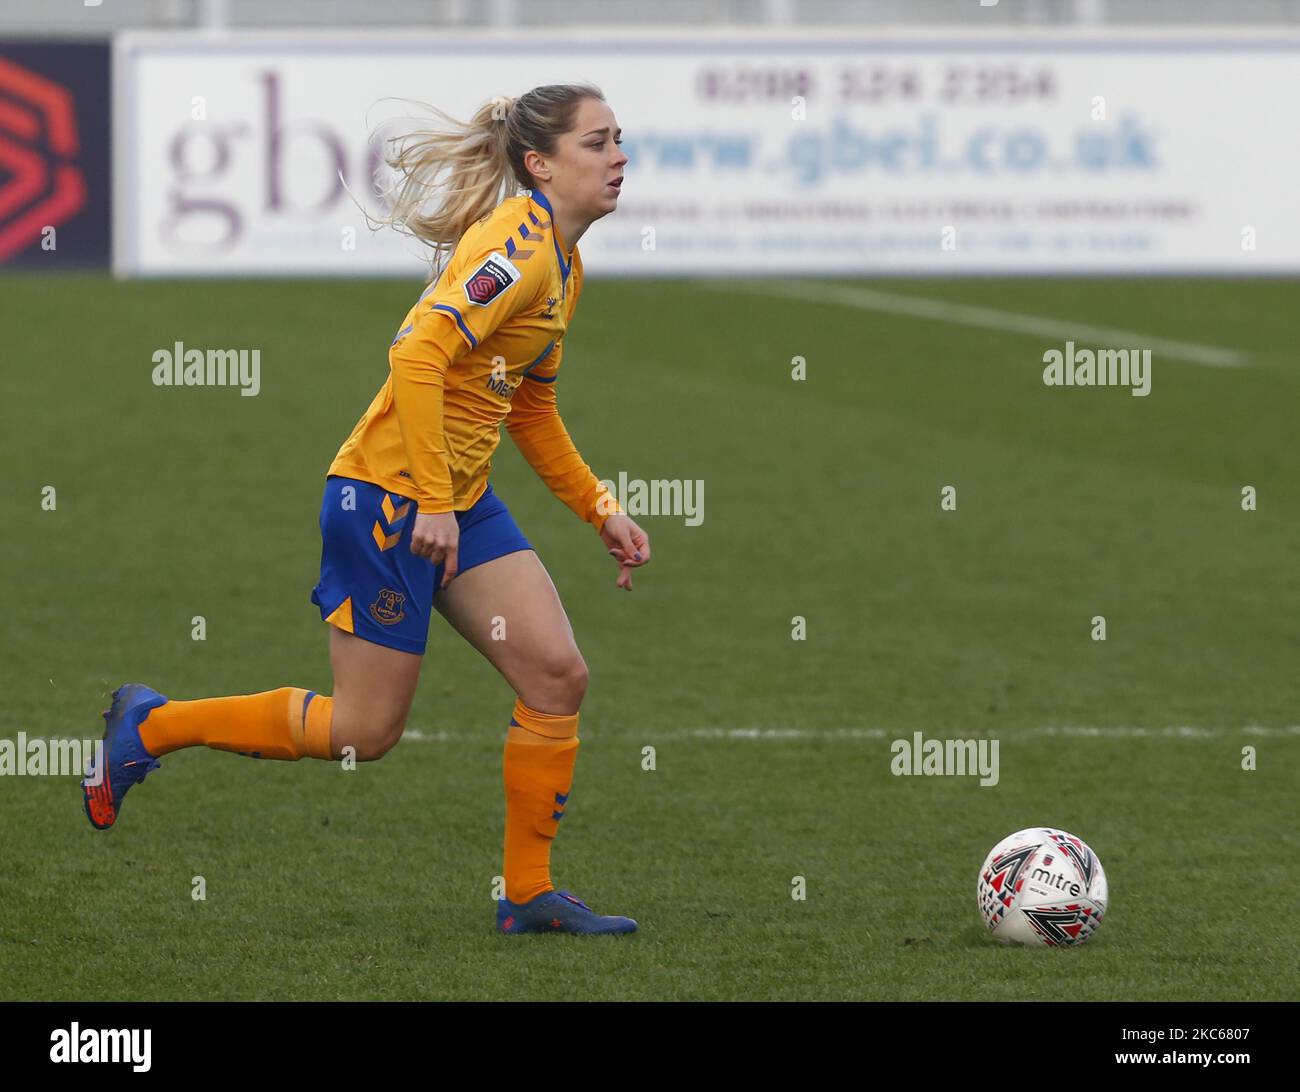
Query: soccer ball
point(1042, 887)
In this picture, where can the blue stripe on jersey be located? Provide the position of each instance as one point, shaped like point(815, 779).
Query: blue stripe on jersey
point(541, 357)
point(469, 334)
point(402, 333)
point(540, 198)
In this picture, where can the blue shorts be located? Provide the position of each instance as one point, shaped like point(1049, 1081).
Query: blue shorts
point(370, 582)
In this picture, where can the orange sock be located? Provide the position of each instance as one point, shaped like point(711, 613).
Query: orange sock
point(288, 723)
point(539, 756)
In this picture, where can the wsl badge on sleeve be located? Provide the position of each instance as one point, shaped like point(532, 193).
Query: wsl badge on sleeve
point(492, 278)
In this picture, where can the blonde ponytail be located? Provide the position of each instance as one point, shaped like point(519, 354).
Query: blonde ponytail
point(451, 176)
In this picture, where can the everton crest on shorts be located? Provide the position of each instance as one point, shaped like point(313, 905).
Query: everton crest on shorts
point(371, 585)
point(490, 279)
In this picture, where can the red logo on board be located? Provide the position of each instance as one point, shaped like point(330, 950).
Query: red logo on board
point(42, 185)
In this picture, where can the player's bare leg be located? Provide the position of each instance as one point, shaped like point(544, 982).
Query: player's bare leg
point(538, 654)
point(373, 690)
point(509, 610)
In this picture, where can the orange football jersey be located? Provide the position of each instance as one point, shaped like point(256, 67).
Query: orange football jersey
point(480, 347)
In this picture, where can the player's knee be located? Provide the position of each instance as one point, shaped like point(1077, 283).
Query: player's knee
point(579, 676)
point(561, 682)
point(374, 746)
point(372, 736)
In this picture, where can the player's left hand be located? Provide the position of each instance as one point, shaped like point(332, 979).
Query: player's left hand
point(628, 545)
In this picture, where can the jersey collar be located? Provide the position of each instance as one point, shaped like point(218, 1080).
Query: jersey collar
point(540, 198)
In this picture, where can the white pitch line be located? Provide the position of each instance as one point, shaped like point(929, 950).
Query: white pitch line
point(965, 314)
point(1174, 731)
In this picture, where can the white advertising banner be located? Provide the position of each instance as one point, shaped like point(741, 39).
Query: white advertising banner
point(932, 153)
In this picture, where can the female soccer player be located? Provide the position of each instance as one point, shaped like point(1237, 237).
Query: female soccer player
point(409, 519)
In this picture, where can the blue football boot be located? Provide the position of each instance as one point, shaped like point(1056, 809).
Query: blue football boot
point(557, 912)
point(124, 757)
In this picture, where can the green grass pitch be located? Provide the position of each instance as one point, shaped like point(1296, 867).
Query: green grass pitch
point(822, 501)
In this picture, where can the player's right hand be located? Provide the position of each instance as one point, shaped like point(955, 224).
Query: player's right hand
point(437, 537)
